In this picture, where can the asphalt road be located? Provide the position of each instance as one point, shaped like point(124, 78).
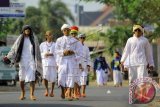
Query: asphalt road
point(96, 97)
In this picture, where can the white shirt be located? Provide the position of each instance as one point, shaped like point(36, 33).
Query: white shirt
point(85, 60)
point(67, 43)
point(27, 53)
point(85, 55)
point(47, 47)
point(138, 51)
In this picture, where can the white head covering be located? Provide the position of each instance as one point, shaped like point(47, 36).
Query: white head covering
point(81, 35)
point(64, 26)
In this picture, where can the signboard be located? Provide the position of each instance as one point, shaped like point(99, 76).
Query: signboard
point(4, 3)
point(15, 9)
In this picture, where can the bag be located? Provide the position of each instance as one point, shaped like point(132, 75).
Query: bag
point(38, 77)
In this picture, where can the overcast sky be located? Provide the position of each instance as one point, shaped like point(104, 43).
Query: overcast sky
point(91, 6)
point(88, 6)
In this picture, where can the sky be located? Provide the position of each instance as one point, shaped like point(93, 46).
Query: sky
point(91, 6)
point(87, 6)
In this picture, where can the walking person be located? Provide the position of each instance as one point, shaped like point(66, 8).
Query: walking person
point(67, 48)
point(26, 53)
point(77, 73)
point(85, 60)
point(102, 69)
point(116, 68)
point(48, 54)
point(138, 55)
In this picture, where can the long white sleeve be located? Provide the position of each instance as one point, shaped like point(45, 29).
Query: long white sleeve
point(126, 51)
point(58, 48)
point(88, 56)
point(78, 52)
point(41, 50)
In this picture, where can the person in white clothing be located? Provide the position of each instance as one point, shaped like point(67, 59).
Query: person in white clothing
point(76, 90)
point(26, 53)
point(85, 60)
point(67, 49)
point(138, 55)
point(47, 49)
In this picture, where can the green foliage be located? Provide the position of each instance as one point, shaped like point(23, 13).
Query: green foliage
point(144, 12)
point(4, 27)
point(54, 14)
point(117, 37)
point(50, 15)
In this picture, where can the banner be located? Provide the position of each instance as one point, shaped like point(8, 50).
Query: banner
point(15, 9)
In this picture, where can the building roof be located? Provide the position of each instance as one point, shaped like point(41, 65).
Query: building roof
point(95, 18)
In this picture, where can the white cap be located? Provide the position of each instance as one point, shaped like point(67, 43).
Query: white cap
point(64, 26)
point(81, 35)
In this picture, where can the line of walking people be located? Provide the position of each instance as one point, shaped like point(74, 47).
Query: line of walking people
point(68, 58)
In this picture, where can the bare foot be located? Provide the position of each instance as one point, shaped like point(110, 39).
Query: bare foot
point(51, 95)
point(33, 98)
point(46, 94)
point(21, 97)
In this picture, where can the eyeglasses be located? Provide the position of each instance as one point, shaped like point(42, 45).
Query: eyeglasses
point(73, 33)
point(82, 37)
point(137, 30)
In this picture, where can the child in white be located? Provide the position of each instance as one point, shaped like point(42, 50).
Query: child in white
point(49, 62)
point(85, 60)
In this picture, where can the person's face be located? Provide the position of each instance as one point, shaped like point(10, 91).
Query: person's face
point(48, 36)
point(82, 39)
point(27, 32)
point(116, 55)
point(138, 32)
point(74, 34)
point(66, 31)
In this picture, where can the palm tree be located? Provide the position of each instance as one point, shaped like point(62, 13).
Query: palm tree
point(55, 13)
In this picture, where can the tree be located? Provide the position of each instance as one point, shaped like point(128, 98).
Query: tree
point(50, 15)
point(55, 13)
point(4, 27)
point(143, 12)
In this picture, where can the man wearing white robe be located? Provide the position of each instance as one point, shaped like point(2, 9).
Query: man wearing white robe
point(67, 50)
point(47, 49)
point(138, 55)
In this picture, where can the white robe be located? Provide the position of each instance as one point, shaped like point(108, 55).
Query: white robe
point(101, 76)
point(79, 56)
point(67, 65)
point(137, 54)
point(49, 63)
point(27, 63)
point(138, 51)
point(85, 60)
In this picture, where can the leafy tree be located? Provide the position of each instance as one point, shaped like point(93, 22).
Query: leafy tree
point(50, 15)
point(55, 13)
point(144, 12)
point(4, 27)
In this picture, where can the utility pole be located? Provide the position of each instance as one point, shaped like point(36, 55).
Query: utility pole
point(77, 11)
